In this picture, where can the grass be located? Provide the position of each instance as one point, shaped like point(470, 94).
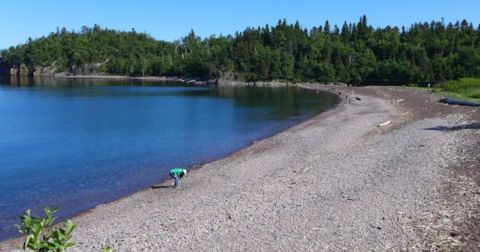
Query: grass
point(464, 89)
point(468, 88)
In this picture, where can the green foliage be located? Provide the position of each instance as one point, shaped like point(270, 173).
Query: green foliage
point(40, 239)
point(355, 53)
point(466, 87)
point(107, 249)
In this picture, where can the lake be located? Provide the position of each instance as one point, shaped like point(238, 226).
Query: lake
point(79, 143)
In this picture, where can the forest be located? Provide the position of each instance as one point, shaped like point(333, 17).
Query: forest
point(354, 53)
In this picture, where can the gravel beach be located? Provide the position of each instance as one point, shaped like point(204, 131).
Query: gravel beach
point(336, 182)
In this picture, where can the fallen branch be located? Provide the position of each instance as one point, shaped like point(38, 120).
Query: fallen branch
point(384, 123)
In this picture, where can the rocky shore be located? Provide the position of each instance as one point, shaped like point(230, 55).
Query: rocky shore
point(22, 72)
point(338, 181)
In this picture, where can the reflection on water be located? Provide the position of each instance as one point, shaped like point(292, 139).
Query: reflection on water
point(79, 143)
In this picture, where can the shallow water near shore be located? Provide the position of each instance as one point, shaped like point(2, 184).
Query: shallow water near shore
point(79, 143)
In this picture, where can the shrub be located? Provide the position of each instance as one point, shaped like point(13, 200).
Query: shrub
point(38, 238)
point(467, 87)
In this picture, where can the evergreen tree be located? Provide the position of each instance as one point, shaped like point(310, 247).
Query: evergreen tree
point(355, 53)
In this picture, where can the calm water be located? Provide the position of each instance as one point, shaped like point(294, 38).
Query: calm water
point(77, 144)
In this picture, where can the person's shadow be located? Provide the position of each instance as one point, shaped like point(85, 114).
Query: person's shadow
point(473, 126)
point(161, 186)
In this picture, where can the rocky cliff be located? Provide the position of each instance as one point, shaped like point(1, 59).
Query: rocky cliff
point(51, 71)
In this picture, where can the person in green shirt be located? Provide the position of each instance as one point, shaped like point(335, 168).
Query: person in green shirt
point(177, 174)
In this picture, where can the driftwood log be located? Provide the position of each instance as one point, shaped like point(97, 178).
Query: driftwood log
point(452, 101)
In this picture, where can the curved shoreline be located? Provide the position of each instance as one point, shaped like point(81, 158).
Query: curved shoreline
point(178, 79)
point(336, 181)
point(16, 238)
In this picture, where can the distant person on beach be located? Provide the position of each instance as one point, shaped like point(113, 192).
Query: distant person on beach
point(177, 174)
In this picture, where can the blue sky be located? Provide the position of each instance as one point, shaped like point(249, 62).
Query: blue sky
point(170, 20)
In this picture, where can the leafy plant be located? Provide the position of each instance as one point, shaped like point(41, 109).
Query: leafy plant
point(108, 249)
point(42, 240)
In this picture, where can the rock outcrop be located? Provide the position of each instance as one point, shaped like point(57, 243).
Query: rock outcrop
point(21, 70)
point(44, 71)
point(51, 71)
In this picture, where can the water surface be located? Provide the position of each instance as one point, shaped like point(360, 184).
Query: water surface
point(79, 143)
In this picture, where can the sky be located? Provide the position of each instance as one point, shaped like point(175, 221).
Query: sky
point(170, 20)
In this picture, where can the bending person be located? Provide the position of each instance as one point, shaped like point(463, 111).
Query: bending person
point(177, 174)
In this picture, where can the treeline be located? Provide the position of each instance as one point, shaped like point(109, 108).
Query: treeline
point(354, 53)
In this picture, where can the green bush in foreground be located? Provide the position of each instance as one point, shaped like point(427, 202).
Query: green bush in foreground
point(39, 239)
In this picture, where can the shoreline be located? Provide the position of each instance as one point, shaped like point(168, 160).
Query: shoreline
point(17, 239)
point(239, 203)
point(184, 80)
